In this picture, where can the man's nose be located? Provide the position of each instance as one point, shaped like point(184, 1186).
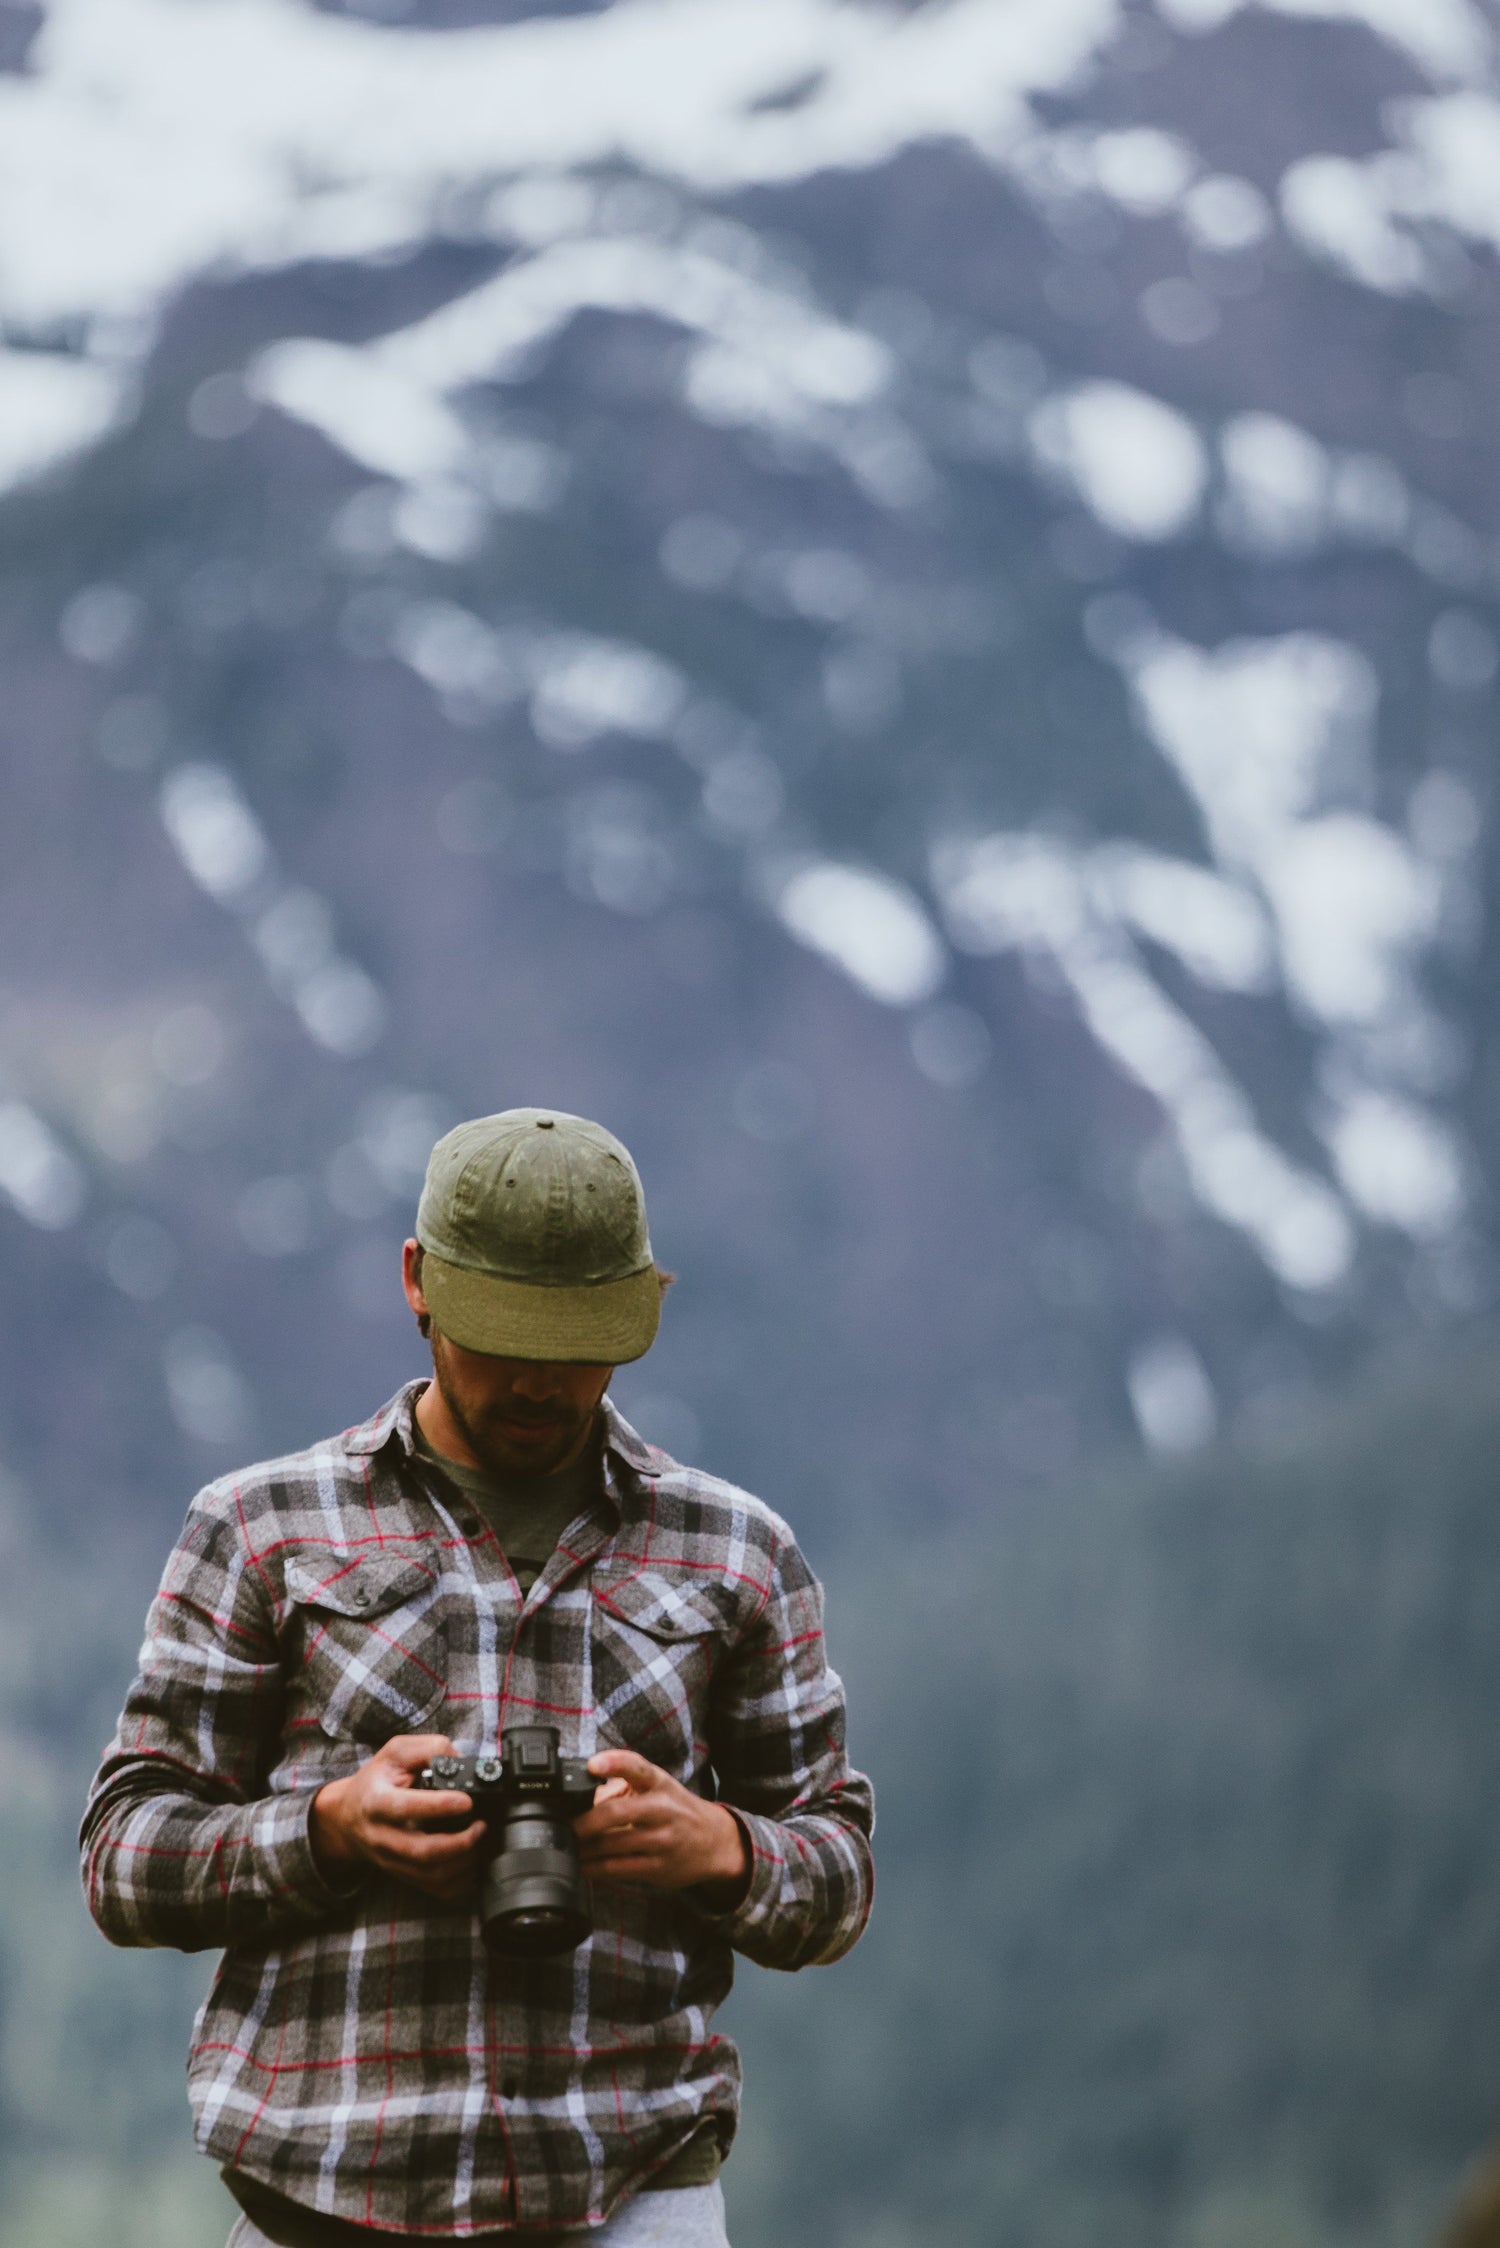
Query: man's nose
point(537, 1380)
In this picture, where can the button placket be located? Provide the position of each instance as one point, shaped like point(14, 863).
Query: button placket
point(597, 1535)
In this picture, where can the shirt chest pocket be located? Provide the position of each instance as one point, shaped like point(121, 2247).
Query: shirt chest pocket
point(371, 1642)
point(655, 1643)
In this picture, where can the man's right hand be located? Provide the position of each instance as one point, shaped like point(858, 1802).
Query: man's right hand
point(376, 1817)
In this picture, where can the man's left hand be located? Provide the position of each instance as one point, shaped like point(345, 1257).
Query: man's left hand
point(647, 1827)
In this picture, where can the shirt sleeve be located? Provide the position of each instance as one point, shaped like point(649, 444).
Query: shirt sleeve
point(777, 1744)
point(181, 1844)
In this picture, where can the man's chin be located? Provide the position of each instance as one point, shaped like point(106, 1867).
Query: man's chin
point(528, 1455)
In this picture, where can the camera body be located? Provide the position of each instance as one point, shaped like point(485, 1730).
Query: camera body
point(534, 1899)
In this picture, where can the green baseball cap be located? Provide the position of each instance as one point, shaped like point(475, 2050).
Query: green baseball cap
point(533, 1231)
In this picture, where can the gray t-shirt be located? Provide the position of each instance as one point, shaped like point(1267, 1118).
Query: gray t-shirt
point(528, 1513)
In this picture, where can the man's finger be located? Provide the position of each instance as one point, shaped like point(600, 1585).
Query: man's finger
point(437, 1849)
point(639, 1771)
point(608, 1818)
point(410, 1751)
point(405, 1848)
point(414, 1806)
point(617, 1845)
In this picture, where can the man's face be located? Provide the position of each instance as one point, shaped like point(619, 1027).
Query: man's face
point(517, 1416)
point(511, 1416)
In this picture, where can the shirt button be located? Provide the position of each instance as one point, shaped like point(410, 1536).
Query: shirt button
point(509, 2088)
point(469, 1524)
point(360, 1595)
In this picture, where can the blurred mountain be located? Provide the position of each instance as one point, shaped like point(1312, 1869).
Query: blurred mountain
point(899, 604)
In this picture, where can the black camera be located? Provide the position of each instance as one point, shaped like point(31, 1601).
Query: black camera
point(535, 1899)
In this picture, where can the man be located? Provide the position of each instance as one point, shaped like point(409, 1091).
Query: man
point(496, 1548)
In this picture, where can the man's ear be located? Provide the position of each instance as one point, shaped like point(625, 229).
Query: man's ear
point(411, 1281)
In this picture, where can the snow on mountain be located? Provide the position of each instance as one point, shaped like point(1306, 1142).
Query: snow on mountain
point(657, 167)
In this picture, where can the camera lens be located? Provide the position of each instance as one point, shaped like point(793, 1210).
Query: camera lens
point(535, 1897)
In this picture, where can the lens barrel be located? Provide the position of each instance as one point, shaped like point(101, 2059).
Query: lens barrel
point(535, 1898)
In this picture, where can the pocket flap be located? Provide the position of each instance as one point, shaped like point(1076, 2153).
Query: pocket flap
point(368, 1586)
point(665, 1607)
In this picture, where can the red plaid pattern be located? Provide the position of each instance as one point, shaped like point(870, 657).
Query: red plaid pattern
point(362, 2053)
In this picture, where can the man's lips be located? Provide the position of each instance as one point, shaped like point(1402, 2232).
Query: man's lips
point(528, 1432)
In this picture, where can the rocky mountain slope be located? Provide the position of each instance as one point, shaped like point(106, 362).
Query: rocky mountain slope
point(902, 603)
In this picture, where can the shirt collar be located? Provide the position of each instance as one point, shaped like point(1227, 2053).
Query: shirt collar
point(621, 1438)
point(394, 1421)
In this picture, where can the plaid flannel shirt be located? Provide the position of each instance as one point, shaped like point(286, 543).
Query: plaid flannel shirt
point(361, 2052)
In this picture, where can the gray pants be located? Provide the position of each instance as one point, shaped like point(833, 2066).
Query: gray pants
point(683, 2217)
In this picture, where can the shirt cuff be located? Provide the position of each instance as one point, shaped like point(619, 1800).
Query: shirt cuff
point(763, 1840)
point(282, 1841)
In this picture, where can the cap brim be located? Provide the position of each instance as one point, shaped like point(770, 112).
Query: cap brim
point(607, 1324)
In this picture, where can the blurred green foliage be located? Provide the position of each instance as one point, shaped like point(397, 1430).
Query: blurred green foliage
point(1186, 1929)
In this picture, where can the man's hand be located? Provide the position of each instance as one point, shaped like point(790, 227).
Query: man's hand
point(376, 1817)
point(645, 1826)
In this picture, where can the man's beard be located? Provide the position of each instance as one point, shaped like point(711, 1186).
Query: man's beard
point(488, 1443)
